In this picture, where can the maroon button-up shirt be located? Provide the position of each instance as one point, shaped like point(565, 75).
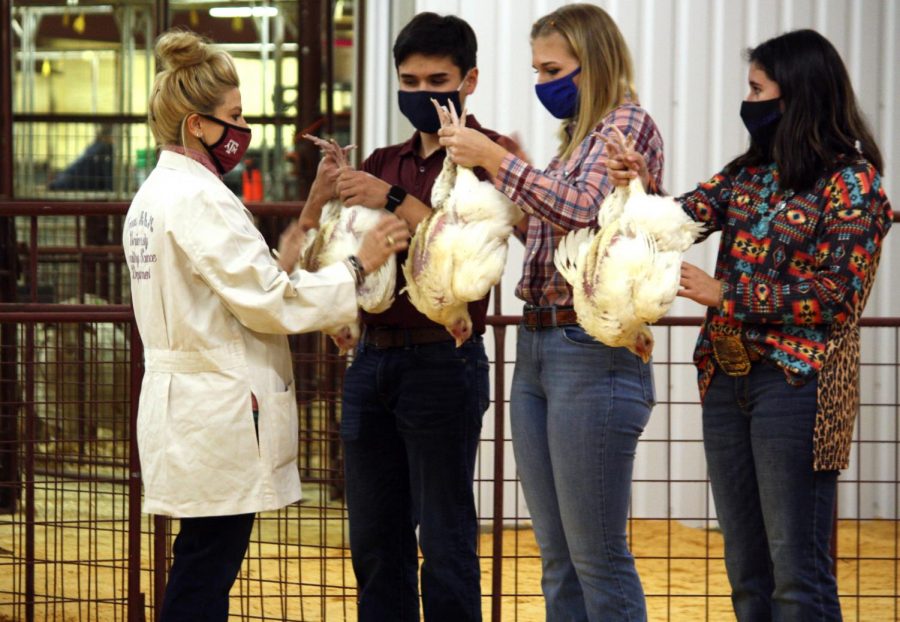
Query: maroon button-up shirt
point(399, 165)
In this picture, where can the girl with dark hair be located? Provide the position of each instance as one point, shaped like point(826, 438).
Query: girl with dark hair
point(802, 215)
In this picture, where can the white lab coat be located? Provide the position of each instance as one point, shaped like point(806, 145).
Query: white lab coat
point(213, 308)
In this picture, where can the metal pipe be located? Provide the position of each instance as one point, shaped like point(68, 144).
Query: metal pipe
point(6, 112)
point(499, 447)
point(29, 474)
point(31, 313)
point(9, 380)
point(42, 312)
point(276, 189)
point(100, 250)
point(61, 208)
point(42, 117)
point(87, 55)
point(119, 208)
point(329, 67)
point(126, 80)
point(32, 260)
point(160, 567)
point(27, 88)
point(357, 126)
point(262, 25)
point(135, 599)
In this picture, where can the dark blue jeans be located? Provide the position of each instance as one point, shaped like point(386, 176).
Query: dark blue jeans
point(410, 426)
point(208, 554)
point(775, 511)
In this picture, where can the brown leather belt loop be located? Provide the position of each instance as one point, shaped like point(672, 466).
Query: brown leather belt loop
point(539, 318)
point(403, 337)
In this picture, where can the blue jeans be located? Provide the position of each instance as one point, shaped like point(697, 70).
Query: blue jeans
point(578, 408)
point(775, 512)
point(410, 426)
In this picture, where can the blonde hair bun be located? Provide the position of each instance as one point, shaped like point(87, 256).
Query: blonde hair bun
point(180, 49)
point(195, 77)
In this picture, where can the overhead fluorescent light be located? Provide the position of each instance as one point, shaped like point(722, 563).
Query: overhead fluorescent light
point(243, 11)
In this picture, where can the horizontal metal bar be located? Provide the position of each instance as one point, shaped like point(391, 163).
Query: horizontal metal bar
point(87, 249)
point(41, 312)
point(74, 117)
point(29, 313)
point(63, 208)
point(119, 208)
point(134, 119)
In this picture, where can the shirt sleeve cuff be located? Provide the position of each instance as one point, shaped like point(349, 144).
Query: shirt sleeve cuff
point(511, 176)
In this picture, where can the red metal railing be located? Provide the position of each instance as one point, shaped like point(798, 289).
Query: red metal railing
point(83, 490)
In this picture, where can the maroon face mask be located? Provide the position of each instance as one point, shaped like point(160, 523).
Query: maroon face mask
point(228, 150)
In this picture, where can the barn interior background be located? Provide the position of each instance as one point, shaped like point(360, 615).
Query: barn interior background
point(74, 79)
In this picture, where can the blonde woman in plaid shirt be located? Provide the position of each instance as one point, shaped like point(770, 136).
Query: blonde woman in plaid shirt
point(578, 407)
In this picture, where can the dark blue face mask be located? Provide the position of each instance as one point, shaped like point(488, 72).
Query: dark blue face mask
point(761, 120)
point(560, 96)
point(417, 107)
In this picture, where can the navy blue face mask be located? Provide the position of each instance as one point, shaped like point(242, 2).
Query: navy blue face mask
point(761, 120)
point(560, 96)
point(419, 109)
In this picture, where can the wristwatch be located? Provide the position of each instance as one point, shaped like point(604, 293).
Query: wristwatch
point(395, 197)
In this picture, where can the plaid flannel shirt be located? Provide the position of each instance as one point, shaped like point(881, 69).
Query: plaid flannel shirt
point(567, 195)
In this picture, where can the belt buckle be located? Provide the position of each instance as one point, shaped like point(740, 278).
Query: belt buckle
point(731, 355)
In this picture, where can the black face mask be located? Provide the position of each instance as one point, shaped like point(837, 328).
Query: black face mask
point(417, 107)
point(761, 119)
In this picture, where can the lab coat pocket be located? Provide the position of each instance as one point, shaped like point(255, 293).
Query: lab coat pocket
point(211, 451)
point(278, 428)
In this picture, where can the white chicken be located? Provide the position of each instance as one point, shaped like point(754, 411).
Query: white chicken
point(459, 251)
point(626, 275)
point(340, 233)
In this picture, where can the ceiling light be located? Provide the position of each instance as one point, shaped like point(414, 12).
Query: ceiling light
point(243, 11)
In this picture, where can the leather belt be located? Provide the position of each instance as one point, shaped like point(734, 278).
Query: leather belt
point(537, 318)
point(403, 337)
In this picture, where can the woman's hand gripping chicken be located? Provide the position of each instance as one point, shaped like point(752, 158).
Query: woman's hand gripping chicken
point(374, 236)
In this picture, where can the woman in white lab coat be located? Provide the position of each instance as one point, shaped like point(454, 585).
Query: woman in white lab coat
point(217, 421)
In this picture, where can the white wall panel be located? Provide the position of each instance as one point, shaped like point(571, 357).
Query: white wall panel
point(691, 76)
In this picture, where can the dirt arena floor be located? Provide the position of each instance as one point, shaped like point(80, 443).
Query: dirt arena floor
point(298, 567)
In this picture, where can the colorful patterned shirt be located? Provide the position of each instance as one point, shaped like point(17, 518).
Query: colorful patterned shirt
point(797, 269)
point(567, 195)
point(792, 263)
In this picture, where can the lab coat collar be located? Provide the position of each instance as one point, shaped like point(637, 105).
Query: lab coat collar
point(171, 159)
